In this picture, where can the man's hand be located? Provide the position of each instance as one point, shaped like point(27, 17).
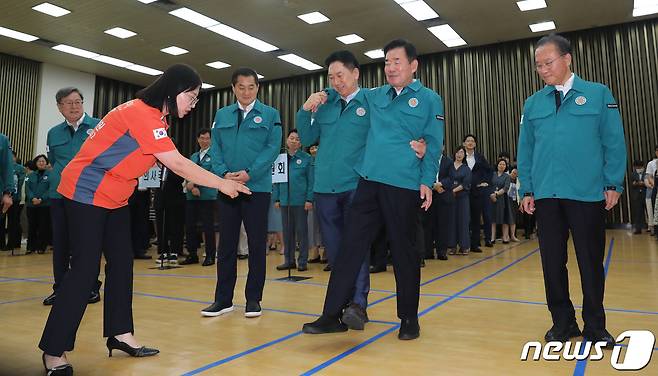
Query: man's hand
point(277, 205)
point(189, 186)
point(439, 187)
point(420, 147)
point(315, 101)
point(611, 199)
point(308, 206)
point(426, 196)
point(196, 192)
point(7, 201)
point(241, 176)
point(527, 205)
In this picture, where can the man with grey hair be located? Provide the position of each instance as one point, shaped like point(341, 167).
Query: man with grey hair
point(62, 144)
point(571, 163)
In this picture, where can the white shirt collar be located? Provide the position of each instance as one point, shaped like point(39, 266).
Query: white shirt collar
point(567, 85)
point(76, 125)
point(351, 96)
point(203, 152)
point(245, 110)
point(470, 159)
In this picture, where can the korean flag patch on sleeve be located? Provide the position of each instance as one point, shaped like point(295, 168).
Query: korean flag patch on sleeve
point(159, 133)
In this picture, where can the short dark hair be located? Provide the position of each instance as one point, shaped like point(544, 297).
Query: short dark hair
point(40, 156)
point(178, 78)
point(202, 131)
point(346, 57)
point(294, 130)
point(504, 154)
point(562, 43)
point(409, 48)
point(470, 135)
point(65, 92)
point(244, 72)
point(638, 162)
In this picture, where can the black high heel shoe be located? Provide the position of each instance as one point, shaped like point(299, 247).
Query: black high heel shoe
point(63, 370)
point(138, 352)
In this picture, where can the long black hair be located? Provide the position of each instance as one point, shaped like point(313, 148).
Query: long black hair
point(176, 79)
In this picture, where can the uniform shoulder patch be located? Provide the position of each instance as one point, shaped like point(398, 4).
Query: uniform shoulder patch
point(440, 117)
point(613, 105)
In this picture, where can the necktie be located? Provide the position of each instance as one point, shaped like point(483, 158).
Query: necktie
point(558, 100)
point(239, 117)
point(343, 104)
point(71, 130)
point(394, 94)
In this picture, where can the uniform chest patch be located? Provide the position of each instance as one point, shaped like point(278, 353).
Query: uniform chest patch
point(581, 100)
point(413, 102)
point(258, 120)
point(360, 111)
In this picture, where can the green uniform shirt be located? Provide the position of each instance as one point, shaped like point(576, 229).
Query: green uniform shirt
point(252, 146)
point(19, 179)
point(575, 152)
point(300, 181)
point(343, 137)
point(6, 166)
point(62, 146)
point(417, 112)
point(37, 185)
point(207, 193)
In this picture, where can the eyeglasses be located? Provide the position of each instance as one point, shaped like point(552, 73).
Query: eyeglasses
point(194, 100)
point(547, 64)
point(72, 103)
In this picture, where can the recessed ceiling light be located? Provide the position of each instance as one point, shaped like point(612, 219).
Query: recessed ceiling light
point(112, 61)
point(147, 1)
point(51, 10)
point(418, 9)
point(527, 5)
point(313, 18)
point(542, 26)
point(194, 17)
point(207, 86)
point(241, 37)
point(120, 32)
point(17, 35)
point(375, 54)
point(349, 39)
point(173, 50)
point(447, 35)
point(143, 69)
point(260, 76)
point(645, 7)
point(218, 65)
point(299, 61)
point(75, 51)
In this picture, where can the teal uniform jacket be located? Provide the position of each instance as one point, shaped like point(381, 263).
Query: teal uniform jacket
point(300, 180)
point(37, 186)
point(343, 137)
point(62, 147)
point(416, 113)
point(19, 180)
point(253, 146)
point(576, 152)
point(207, 193)
point(6, 166)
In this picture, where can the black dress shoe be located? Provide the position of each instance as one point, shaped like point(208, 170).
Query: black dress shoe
point(316, 260)
point(216, 309)
point(325, 261)
point(488, 244)
point(253, 309)
point(355, 317)
point(324, 325)
point(377, 269)
point(476, 250)
point(208, 261)
point(327, 268)
point(302, 268)
point(94, 297)
point(442, 256)
point(243, 257)
point(189, 260)
point(50, 300)
point(286, 266)
point(561, 334)
point(600, 335)
point(142, 256)
point(409, 329)
point(63, 370)
point(138, 352)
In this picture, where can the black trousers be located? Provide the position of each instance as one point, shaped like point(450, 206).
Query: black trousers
point(252, 210)
point(637, 211)
point(480, 206)
point(93, 230)
point(376, 205)
point(170, 220)
point(556, 218)
point(379, 250)
point(200, 211)
point(445, 225)
point(15, 233)
point(139, 218)
point(39, 228)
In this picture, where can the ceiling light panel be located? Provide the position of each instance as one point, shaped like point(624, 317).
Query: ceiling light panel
point(446, 34)
point(542, 26)
point(17, 35)
point(207, 86)
point(147, 1)
point(51, 10)
point(418, 9)
point(299, 61)
point(375, 54)
point(242, 37)
point(120, 32)
point(218, 65)
point(173, 50)
point(527, 5)
point(644, 7)
point(75, 51)
point(145, 70)
point(112, 61)
point(313, 18)
point(350, 39)
point(194, 17)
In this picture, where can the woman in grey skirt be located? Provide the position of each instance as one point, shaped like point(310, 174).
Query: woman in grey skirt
point(460, 188)
point(502, 211)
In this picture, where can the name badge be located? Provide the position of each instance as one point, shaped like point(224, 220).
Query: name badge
point(258, 120)
point(413, 102)
point(360, 111)
point(581, 100)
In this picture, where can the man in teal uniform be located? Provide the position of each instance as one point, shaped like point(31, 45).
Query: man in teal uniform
point(63, 143)
point(571, 163)
point(295, 199)
point(246, 139)
point(14, 212)
point(393, 182)
point(199, 207)
point(6, 173)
